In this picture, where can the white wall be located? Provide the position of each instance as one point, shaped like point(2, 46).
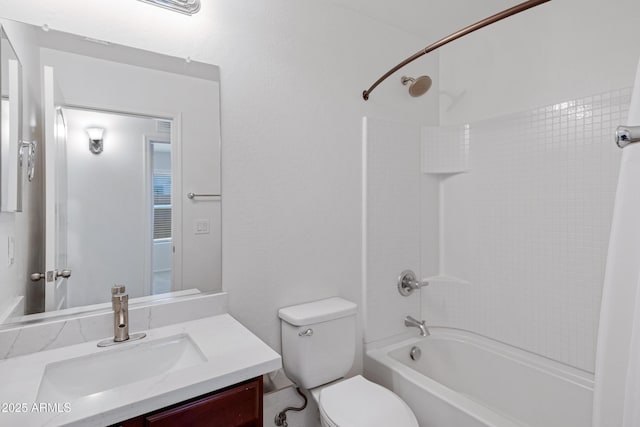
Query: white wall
point(561, 50)
point(292, 160)
point(108, 207)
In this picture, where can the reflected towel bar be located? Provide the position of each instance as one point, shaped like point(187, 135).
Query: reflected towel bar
point(194, 195)
point(460, 33)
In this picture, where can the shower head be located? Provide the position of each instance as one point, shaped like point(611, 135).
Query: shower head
point(419, 86)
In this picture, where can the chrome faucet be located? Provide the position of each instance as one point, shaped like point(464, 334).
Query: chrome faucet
point(120, 304)
point(407, 283)
point(420, 324)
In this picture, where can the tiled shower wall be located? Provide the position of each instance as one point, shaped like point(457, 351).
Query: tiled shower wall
point(527, 226)
point(391, 223)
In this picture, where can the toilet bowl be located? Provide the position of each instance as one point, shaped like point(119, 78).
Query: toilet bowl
point(358, 402)
point(318, 348)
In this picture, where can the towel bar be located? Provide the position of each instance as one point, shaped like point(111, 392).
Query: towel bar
point(194, 195)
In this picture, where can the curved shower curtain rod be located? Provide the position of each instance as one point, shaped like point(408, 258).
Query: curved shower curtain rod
point(461, 33)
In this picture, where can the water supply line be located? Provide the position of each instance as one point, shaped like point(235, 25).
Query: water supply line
point(458, 34)
point(281, 418)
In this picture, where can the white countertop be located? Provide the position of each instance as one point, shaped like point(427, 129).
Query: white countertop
point(233, 355)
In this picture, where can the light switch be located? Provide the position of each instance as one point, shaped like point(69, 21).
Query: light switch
point(202, 226)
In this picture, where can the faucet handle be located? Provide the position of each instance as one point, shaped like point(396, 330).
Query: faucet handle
point(407, 283)
point(117, 290)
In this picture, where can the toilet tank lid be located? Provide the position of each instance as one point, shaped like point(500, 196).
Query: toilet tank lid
point(317, 311)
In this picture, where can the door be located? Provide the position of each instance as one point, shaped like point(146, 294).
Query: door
point(56, 276)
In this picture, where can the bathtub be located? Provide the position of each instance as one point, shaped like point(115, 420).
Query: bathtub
point(466, 380)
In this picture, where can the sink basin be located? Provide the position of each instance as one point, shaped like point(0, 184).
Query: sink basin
point(107, 369)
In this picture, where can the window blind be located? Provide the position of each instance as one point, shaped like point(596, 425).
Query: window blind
point(161, 205)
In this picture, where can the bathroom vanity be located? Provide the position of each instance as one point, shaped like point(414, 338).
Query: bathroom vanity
point(203, 369)
point(236, 406)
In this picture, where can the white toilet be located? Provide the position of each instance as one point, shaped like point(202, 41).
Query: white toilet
point(318, 347)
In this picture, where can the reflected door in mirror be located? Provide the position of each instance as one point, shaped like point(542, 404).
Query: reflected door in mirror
point(10, 126)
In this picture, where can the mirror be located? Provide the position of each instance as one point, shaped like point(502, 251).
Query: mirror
point(113, 186)
point(10, 126)
point(127, 134)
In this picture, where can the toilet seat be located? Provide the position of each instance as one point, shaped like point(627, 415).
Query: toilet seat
point(357, 402)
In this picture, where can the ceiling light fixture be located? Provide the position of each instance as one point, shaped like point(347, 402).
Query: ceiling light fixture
point(188, 7)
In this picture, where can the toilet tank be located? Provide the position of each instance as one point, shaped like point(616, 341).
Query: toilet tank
point(318, 341)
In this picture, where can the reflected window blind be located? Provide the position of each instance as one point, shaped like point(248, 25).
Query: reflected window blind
point(161, 205)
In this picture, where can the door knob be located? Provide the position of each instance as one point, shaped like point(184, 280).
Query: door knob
point(63, 273)
point(37, 276)
point(50, 274)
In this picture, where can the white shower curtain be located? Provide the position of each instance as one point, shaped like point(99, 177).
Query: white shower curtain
point(617, 387)
point(632, 389)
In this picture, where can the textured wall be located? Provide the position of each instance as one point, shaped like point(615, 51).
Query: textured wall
point(561, 50)
point(391, 223)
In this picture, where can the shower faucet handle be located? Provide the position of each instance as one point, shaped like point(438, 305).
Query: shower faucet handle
point(407, 283)
point(626, 135)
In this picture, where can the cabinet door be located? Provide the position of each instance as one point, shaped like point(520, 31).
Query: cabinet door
point(240, 406)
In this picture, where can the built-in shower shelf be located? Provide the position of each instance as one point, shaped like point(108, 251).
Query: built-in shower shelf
point(445, 149)
point(444, 172)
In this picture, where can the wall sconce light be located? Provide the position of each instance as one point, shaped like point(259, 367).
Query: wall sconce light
point(96, 144)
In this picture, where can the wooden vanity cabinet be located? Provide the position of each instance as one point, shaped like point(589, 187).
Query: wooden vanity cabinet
point(237, 406)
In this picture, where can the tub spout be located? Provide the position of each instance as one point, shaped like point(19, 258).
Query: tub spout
point(420, 324)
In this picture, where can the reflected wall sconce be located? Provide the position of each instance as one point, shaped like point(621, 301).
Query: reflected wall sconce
point(96, 144)
point(188, 7)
